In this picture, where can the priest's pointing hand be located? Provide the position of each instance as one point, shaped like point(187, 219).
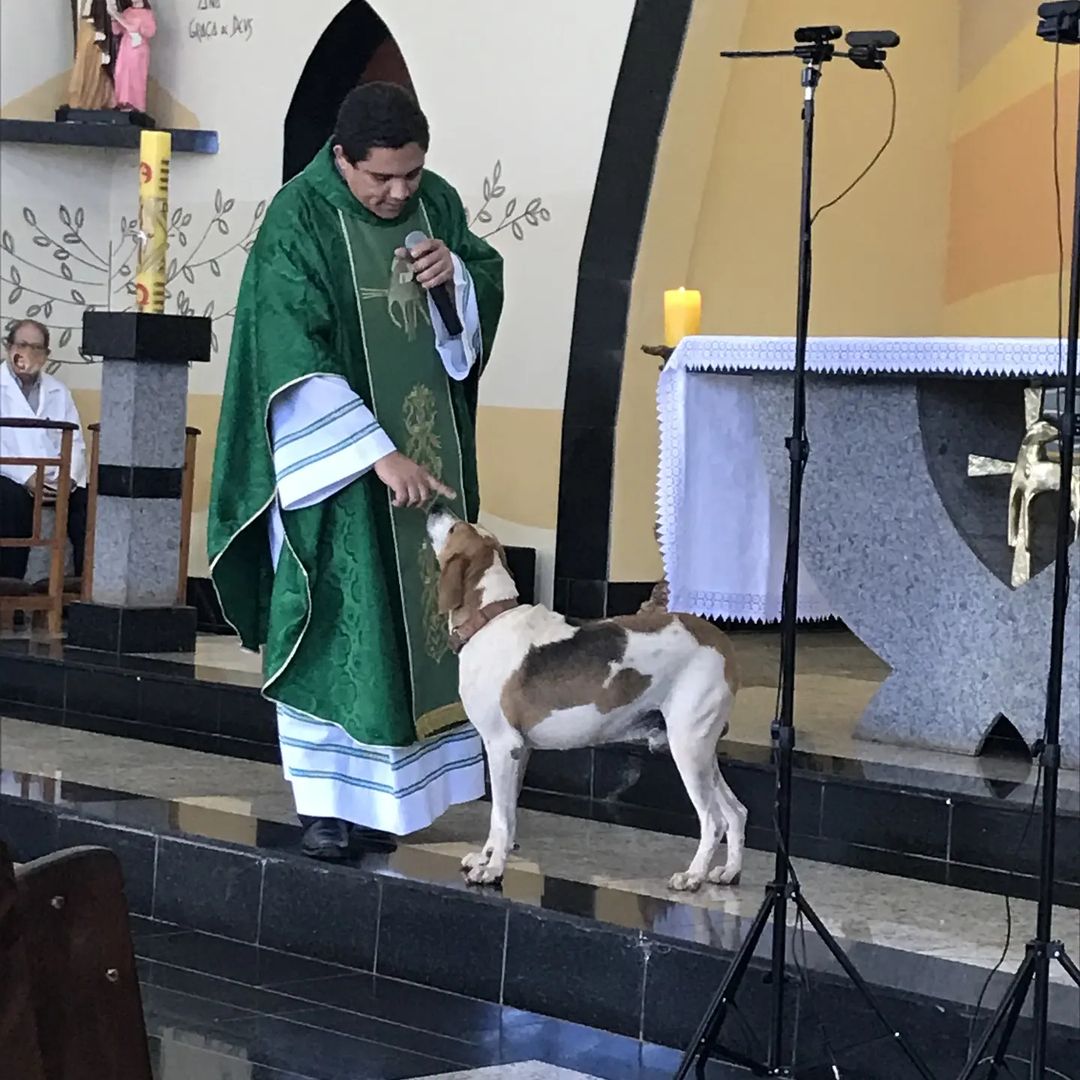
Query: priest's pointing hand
point(411, 484)
point(432, 263)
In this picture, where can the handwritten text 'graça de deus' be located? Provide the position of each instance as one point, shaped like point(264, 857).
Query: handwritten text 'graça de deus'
point(219, 24)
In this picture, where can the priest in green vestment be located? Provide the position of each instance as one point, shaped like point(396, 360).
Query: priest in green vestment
point(348, 404)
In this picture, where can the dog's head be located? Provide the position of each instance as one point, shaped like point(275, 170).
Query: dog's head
point(472, 566)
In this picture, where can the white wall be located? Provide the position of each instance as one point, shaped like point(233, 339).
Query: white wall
point(529, 85)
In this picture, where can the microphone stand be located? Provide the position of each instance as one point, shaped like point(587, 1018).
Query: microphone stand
point(1060, 24)
point(814, 49)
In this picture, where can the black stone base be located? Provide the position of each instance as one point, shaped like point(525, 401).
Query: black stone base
point(142, 335)
point(120, 117)
point(131, 630)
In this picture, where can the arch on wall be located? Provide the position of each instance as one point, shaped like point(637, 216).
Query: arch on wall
point(355, 48)
point(601, 307)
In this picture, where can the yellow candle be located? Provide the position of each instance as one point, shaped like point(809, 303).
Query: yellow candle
point(682, 315)
point(155, 154)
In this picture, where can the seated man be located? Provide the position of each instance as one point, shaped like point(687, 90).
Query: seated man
point(27, 391)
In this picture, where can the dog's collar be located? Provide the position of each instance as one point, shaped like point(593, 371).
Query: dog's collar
point(461, 635)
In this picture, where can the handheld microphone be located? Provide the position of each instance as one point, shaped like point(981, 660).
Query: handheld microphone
point(441, 295)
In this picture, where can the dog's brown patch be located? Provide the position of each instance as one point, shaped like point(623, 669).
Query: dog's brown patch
point(701, 630)
point(573, 672)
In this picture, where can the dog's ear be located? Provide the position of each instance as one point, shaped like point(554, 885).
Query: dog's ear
point(452, 585)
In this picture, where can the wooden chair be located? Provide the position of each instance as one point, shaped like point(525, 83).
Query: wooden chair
point(16, 595)
point(70, 1007)
point(187, 496)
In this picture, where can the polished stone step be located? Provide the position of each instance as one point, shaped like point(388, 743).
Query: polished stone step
point(915, 814)
point(583, 928)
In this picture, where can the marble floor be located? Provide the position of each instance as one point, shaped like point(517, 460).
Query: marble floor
point(220, 1010)
point(962, 929)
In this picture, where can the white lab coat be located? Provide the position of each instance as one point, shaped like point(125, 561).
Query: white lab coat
point(54, 403)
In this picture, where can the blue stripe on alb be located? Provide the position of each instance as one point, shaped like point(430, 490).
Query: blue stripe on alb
point(458, 733)
point(318, 425)
point(330, 451)
point(374, 755)
point(386, 789)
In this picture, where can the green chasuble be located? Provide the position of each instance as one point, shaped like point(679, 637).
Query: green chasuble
point(350, 617)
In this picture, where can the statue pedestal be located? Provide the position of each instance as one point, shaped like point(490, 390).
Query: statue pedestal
point(133, 605)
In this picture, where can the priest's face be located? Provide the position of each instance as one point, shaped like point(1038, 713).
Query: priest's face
point(386, 179)
point(27, 352)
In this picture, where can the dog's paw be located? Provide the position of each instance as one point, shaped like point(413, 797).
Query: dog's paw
point(488, 874)
point(721, 875)
point(475, 860)
point(686, 882)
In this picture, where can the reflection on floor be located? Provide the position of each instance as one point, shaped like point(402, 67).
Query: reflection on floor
point(860, 906)
point(837, 677)
point(219, 1010)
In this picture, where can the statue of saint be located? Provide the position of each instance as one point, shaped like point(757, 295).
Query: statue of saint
point(91, 84)
point(134, 25)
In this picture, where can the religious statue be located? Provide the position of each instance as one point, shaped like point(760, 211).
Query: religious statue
point(134, 25)
point(91, 84)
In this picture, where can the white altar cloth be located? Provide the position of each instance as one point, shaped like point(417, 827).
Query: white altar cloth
point(722, 534)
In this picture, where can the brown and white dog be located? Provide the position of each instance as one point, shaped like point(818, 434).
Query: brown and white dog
point(529, 679)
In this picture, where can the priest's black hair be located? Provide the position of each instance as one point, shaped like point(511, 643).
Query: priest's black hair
point(379, 114)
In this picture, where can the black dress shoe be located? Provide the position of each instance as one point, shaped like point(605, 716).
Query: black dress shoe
point(326, 838)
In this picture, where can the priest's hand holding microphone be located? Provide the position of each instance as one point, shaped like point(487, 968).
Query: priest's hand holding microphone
point(433, 268)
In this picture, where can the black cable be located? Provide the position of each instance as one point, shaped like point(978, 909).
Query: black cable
point(873, 161)
point(802, 968)
point(1050, 1070)
point(1008, 912)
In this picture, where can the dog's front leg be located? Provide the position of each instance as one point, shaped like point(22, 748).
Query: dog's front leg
point(506, 764)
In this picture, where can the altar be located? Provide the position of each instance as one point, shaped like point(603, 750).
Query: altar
point(902, 538)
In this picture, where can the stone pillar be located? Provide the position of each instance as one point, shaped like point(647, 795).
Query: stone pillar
point(133, 605)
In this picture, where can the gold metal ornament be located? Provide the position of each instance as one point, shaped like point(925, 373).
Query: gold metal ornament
point(1034, 472)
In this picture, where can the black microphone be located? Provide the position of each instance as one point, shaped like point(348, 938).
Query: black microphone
point(442, 295)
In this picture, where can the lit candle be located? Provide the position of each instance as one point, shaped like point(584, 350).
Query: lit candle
point(682, 315)
point(155, 158)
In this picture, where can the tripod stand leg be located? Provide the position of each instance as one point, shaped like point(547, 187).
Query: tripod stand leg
point(709, 1028)
point(1019, 994)
point(1067, 962)
point(822, 931)
point(1012, 1001)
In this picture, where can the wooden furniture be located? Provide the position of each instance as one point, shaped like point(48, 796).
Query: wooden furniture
point(17, 595)
point(187, 495)
point(70, 1007)
point(52, 596)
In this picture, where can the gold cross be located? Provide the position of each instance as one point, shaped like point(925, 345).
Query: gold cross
point(978, 465)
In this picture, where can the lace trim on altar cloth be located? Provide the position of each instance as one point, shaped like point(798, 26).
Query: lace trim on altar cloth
point(869, 356)
point(669, 480)
point(740, 607)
